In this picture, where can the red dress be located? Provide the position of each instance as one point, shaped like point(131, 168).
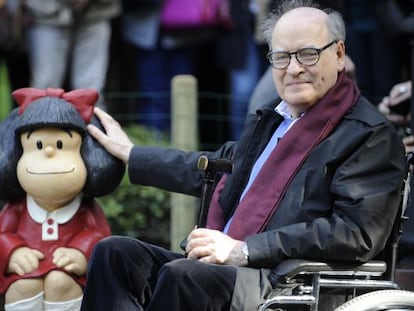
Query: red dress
point(81, 231)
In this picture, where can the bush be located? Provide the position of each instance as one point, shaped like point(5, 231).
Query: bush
point(139, 211)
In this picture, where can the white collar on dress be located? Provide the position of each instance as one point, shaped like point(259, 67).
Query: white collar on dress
point(61, 215)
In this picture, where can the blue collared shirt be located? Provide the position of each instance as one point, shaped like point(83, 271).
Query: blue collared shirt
point(282, 129)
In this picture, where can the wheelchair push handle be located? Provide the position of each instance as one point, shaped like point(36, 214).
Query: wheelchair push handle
point(211, 169)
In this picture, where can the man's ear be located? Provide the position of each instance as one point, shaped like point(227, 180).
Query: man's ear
point(340, 53)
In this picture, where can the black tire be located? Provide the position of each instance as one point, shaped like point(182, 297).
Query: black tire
point(380, 300)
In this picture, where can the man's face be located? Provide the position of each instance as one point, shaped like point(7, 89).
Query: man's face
point(303, 86)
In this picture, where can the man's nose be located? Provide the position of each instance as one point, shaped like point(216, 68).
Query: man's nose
point(294, 66)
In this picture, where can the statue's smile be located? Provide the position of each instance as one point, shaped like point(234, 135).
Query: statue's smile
point(50, 173)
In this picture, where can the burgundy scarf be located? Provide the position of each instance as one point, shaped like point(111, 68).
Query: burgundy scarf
point(261, 200)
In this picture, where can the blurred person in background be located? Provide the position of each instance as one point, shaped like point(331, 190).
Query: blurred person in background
point(68, 42)
point(396, 107)
point(378, 44)
point(12, 46)
point(245, 61)
point(157, 54)
point(397, 17)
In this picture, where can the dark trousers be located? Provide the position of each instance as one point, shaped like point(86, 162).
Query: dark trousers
point(128, 274)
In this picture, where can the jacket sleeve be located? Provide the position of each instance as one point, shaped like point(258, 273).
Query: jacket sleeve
point(171, 169)
point(350, 216)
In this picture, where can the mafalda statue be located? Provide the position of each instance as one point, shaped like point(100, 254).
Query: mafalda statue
point(51, 171)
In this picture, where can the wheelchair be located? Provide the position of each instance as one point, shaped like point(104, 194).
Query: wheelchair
point(339, 286)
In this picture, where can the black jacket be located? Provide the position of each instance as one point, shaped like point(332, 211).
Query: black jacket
point(340, 206)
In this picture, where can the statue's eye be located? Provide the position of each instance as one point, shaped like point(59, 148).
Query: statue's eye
point(59, 144)
point(39, 145)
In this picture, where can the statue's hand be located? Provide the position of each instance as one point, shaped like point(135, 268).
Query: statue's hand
point(70, 260)
point(24, 260)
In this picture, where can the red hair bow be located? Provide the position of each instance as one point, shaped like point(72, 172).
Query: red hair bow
point(82, 99)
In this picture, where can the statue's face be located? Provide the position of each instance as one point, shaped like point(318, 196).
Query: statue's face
point(51, 168)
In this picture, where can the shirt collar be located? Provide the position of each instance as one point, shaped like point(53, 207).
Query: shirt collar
point(283, 109)
point(61, 215)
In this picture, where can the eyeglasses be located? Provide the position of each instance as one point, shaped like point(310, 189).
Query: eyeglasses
point(306, 56)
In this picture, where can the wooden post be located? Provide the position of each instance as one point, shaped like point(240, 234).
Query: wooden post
point(184, 135)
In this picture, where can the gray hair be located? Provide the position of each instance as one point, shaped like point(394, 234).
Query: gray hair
point(335, 23)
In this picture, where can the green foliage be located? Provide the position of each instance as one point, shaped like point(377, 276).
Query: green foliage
point(135, 210)
point(5, 100)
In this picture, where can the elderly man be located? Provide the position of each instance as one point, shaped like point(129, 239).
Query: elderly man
point(316, 175)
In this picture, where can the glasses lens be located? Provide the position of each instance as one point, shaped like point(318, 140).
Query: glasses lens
point(308, 56)
point(279, 59)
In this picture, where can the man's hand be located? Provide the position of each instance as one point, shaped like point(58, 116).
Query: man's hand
point(408, 142)
point(115, 141)
point(24, 260)
point(70, 260)
point(213, 246)
point(398, 119)
point(399, 93)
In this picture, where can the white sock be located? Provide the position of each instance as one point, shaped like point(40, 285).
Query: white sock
point(69, 305)
point(34, 303)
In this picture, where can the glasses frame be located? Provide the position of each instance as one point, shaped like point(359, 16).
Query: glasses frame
point(318, 51)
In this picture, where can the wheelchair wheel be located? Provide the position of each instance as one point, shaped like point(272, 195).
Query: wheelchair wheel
point(380, 300)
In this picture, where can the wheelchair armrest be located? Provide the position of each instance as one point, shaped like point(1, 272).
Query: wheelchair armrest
point(290, 268)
